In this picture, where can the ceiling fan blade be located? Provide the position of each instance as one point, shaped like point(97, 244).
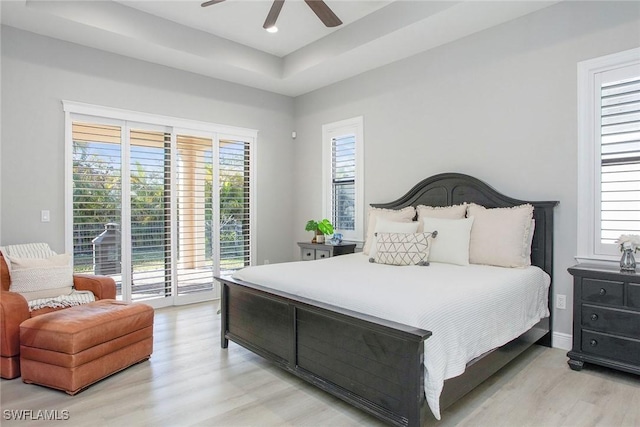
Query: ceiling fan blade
point(210, 2)
point(325, 14)
point(272, 17)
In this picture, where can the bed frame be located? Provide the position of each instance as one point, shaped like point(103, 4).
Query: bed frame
point(374, 364)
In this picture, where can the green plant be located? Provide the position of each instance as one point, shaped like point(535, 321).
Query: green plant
point(323, 226)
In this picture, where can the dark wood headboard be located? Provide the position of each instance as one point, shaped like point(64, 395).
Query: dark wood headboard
point(449, 189)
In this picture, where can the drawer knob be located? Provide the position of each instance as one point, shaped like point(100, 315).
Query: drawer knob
point(593, 343)
point(603, 291)
point(594, 317)
point(308, 253)
point(322, 256)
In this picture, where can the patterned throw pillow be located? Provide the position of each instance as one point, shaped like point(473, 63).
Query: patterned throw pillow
point(403, 248)
point(36, 278)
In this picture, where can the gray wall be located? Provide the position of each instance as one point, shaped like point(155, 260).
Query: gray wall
point(499, 105)
point(38, 72)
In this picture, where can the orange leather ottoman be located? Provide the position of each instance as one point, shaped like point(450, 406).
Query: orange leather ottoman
point(73, 348)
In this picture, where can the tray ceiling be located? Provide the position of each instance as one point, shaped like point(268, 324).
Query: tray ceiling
point(227, 41)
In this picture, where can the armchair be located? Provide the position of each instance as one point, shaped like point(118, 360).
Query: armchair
point(14, 310)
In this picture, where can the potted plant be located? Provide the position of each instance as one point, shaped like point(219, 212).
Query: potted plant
point(320, 228)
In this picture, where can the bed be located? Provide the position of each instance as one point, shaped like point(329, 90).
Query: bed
point(372, 362)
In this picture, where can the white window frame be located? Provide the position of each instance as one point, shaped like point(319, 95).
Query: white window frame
point(589, 161)
point(352, 126)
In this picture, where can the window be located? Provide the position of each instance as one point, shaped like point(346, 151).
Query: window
point(343, 182)
point(343, 177)
point(609, 153)
point(160, 208)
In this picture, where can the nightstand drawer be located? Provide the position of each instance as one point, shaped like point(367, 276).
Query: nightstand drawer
point(617, 348)
point(610, 320)
point(311, 251)
point(322, 254)
point(602, 291)
point(308, 254)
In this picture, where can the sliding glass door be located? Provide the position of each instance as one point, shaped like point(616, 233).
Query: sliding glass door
point(235, 204)
point(195, 216)
point(149, 215)
point(97, 195)
point(160, 209)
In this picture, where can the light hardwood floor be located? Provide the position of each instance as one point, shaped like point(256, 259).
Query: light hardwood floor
point(191, 381)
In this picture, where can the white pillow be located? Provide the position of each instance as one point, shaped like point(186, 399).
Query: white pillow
point(36, 278)
point(452, 244)
point(449, 212)
point(501, 236)
point(398, 215)
point(385, 226)
point(403, 248)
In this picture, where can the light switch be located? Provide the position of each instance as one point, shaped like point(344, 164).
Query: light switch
point(45, 216)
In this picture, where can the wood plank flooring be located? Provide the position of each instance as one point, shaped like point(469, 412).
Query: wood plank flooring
point(191, 381)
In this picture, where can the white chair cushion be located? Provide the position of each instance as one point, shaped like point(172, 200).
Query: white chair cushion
point(36, 278)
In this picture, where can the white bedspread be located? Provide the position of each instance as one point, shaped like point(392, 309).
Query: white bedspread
point(470, 310)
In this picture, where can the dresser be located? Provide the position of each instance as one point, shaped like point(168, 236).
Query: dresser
point(310, 251)
point(606, 318)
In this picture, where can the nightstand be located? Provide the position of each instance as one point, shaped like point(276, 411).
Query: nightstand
point(606, 318)
point(311, 251)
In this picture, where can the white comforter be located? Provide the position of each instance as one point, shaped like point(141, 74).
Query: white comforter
point(470, 310)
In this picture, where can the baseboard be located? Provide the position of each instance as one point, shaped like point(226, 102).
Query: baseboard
point(562, 341)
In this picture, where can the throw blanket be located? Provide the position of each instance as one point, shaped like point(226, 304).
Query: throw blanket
point(27, 250)
point(74, 298)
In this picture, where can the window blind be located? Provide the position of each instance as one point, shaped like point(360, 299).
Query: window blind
point(234, 193)
point(343, 169)
point(150, 204)
point(97, 195)
point(620, 158)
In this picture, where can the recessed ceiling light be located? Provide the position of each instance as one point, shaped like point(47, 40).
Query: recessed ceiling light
point(273, 29)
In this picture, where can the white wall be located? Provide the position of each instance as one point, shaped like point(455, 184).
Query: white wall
point(38, 72)
point(499, 105)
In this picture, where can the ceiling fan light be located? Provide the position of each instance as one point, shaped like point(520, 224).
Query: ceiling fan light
point(272, 29)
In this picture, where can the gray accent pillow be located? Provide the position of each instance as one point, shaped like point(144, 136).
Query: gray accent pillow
point(403, 248)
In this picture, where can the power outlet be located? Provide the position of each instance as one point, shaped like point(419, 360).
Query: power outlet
point(561, 302)
point(266, 261)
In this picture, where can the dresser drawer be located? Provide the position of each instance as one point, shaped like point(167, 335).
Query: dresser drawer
point(615, 348)
point(633, 298)
point(602, 291)
point(611, 320)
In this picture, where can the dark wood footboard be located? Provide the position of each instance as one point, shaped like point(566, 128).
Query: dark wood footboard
point(373, 364)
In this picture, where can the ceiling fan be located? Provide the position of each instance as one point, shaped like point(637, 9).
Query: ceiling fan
point(319, 7)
